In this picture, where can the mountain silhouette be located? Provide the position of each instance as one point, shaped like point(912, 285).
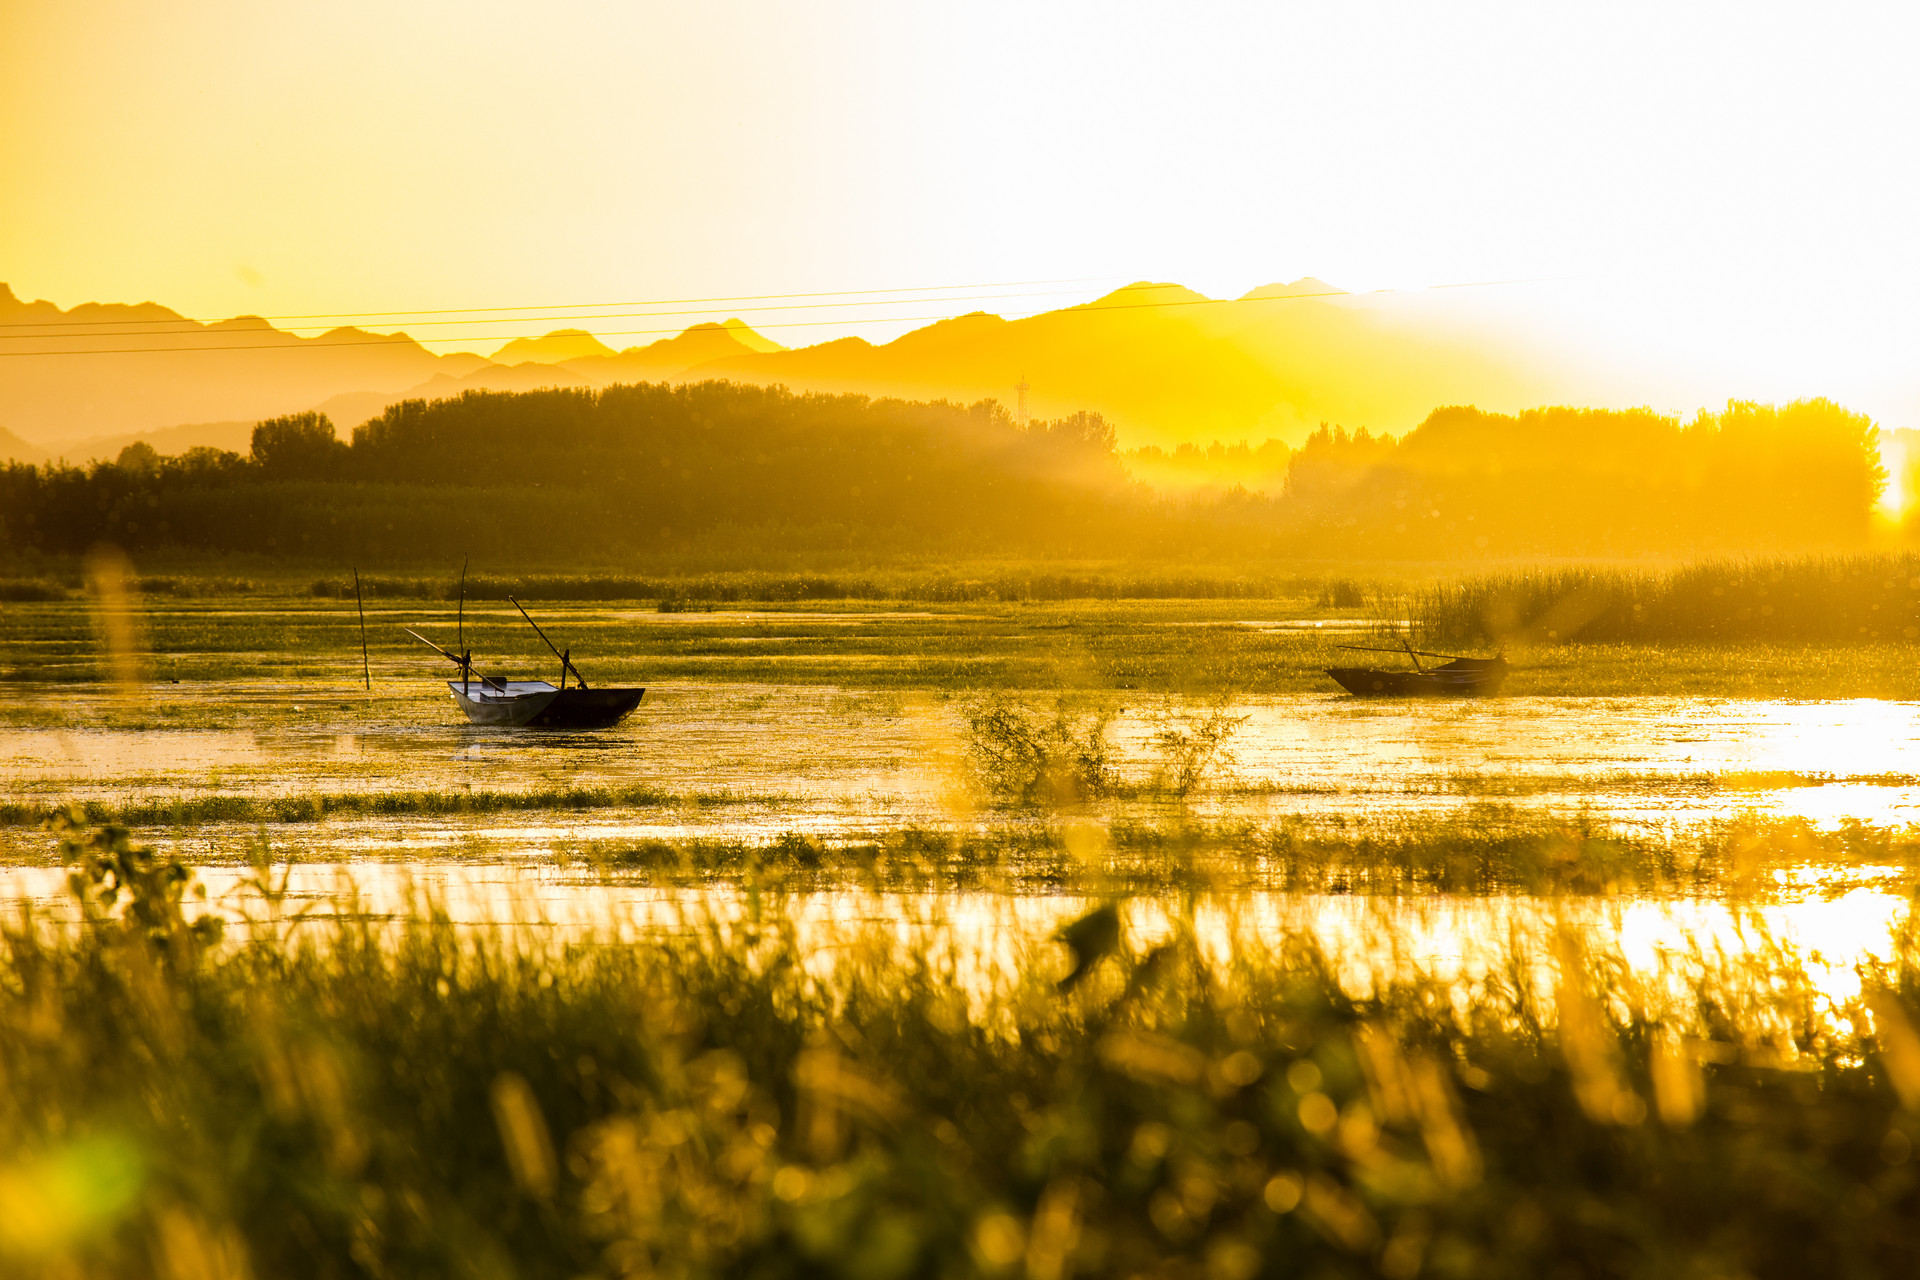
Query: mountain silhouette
point(552, 348)
point(14, 449)
point(665, 360)
point(1168, 365)
point(109, 369)
point(1163, 363)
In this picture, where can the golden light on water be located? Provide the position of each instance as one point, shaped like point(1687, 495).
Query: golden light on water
point(1822, 929)
point(843, 764)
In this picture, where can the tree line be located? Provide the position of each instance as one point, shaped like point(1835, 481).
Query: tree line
point(569, 473)
point(1593, 481)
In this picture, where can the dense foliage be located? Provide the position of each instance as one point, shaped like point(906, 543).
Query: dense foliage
point(1592, 481)
point(364, 1097)
point(631, 469)
point(554, 472)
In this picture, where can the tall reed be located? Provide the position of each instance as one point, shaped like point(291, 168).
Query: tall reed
point(411, 1098)
point(1822, 599)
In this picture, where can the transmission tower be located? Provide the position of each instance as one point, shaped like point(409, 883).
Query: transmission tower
point(1021, 389)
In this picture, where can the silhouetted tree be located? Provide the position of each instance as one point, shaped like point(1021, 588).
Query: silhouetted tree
point(139, 458)
point(300, 446)
point(643, 466)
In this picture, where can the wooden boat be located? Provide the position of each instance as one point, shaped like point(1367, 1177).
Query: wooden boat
point(541, 705)
point(538, 704)
point(1457, 677)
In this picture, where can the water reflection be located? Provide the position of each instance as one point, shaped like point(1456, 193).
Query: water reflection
point(1828, 931)
point(834, 761)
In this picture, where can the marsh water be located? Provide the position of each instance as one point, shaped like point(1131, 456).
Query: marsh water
point(846, 726)
point(759, 760)
point(755, 761)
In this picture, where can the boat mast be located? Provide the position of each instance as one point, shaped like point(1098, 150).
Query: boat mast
point(366, 672)
point(566, 659)
point(466, 654)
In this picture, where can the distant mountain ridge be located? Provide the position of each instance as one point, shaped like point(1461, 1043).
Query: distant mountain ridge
point(107, 369)
point(1168, 365)
point(552, 348)
point(14, 449)
point(1163, 363)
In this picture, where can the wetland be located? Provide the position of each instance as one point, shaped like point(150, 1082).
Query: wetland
point(1044, 936)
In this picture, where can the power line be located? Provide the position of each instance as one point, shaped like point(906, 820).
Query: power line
point(418, 324)
point(575, 306)
point(297, 343)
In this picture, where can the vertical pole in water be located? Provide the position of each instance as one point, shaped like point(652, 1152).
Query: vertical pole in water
point(466, 654)
point(366, 671)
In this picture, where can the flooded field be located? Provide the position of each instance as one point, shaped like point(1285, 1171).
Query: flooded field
point(847, 748)
point(1237, 958)
point(849, 764)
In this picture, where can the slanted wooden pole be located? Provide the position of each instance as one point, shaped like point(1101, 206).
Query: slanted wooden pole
point(1408, 646)
point(566, 663)
point(366, 670)
point(456, 660)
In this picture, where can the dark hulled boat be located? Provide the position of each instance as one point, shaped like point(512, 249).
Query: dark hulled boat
point(1456, 677)
point(539, 705)
point(534, 704)
point(1462, 677)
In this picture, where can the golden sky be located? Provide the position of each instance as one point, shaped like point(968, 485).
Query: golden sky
point(1707, 200)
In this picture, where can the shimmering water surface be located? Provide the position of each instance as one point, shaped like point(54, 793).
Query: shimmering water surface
point(1827, 935)
point(754, 759)
point(757, 760)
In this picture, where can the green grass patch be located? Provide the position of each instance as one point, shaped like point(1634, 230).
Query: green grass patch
point(186, 811)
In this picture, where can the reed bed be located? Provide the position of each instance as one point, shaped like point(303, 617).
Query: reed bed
point(1808, 599)
point(407, 1098)
point(187, 811)
point(935, 587)
point(1486, 850)
point(22, 590)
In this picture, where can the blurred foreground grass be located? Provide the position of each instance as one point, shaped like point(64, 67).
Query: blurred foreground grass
point(402, 1097)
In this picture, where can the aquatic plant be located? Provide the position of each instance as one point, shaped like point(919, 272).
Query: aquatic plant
point(1028, 755)
point(1193, 743)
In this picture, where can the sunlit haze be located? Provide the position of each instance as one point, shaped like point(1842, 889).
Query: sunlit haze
point(1057, 641)
point(1688, 202)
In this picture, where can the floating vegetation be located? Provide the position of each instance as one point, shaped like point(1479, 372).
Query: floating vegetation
point(1486, 850)
point(694, 592)
point(1028, 755)
point(194, 810)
